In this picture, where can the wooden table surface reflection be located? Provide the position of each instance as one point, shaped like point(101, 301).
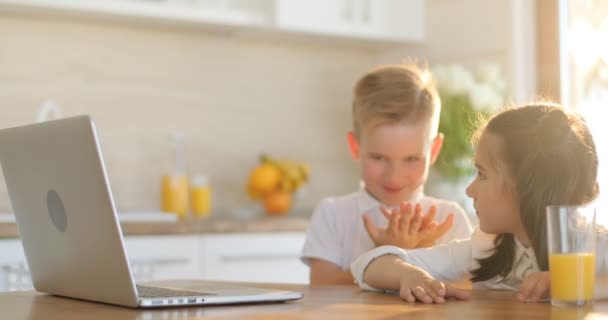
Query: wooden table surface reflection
point(322, 302)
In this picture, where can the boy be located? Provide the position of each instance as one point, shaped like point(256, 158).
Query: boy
point(396, 118)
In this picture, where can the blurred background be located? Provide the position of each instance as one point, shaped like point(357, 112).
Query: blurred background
point(235, 79)
point(238, 78)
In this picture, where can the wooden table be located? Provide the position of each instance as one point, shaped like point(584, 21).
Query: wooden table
point(319, 303)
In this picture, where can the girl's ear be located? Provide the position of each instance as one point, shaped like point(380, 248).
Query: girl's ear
point(353, 145)
point(436, 147)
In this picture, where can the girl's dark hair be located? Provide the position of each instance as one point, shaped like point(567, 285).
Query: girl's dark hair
point(550, 154)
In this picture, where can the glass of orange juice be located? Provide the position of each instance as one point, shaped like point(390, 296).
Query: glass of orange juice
point(571, 240)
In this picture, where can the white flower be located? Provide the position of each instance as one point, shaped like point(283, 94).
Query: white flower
point(484, 98)
point(487, 72)
point(440, 73)
point(500, 85)
point(484, 88)
point(453, 79)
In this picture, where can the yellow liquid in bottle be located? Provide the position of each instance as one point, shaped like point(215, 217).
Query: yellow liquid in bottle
point(201, 200)
point(174, 194)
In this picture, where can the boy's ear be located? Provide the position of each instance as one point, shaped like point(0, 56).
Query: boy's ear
point(436, 147)
point(353, 145)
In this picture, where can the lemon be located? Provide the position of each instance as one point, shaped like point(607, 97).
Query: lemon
point(263, 179)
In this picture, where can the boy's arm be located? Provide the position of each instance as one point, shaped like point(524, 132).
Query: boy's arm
point(326, 273)
point(322, 251)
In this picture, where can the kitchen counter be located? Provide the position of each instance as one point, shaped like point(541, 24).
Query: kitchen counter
point(196, 226)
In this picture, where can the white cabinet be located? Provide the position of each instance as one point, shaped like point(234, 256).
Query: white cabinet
point(14, 274)
point(254, 257)
point(247, 257)
point(163, 257)
point(377, 21)
point(238, 13)
point(389, 20)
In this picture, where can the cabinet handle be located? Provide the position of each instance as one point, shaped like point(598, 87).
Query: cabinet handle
point(366, 12)
point(346, 10)
point(266, 257)
point(161, 262)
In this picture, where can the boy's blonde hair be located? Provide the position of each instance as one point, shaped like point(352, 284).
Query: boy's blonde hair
point(395, 93)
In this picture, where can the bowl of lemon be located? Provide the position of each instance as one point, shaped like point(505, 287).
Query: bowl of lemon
point(275, 181)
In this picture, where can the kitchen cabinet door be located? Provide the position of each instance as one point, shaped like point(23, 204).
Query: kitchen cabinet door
point(385, 20)
point(373, 21)
point(14, 274)
point(249, 257)
point(164, 257)
point(254, 257)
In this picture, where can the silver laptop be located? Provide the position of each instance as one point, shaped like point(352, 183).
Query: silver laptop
point(67, 222)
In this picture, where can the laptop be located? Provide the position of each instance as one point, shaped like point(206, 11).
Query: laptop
point(67, 220)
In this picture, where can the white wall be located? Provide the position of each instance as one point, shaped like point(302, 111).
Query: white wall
point(234, 97)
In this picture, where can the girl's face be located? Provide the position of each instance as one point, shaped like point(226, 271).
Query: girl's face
point(493, 190)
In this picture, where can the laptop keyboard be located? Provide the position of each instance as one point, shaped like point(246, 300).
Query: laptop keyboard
point(156, 292)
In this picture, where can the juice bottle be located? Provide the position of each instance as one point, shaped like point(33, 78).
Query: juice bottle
point(174, 194)
point(200, 195)
point(175, 185)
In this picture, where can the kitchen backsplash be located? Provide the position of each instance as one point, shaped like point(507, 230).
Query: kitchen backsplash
point(232, 97)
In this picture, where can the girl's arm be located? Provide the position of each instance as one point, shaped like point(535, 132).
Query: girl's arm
point(446, 262)
point(416, 273)
point(413, 283)
point(538, 285)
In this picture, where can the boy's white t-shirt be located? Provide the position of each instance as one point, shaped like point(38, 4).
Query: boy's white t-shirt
point(336, 233)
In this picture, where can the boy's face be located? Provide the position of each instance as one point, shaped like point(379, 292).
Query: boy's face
point(493, 191)
point(395, 159)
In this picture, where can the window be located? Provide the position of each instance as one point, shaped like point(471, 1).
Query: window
point(584, 66)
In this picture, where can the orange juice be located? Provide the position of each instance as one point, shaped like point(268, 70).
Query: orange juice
point(201, 200)
point(174, 194)
point(572, 276)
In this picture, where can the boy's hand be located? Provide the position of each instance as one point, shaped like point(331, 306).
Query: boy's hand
point(420, 286)
point(536, 287)
point(408, 228)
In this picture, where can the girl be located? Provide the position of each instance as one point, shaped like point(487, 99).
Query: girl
point(526, 158)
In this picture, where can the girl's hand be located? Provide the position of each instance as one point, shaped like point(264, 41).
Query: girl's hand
point(420, 286)
point(408, 228)
point(536, 287)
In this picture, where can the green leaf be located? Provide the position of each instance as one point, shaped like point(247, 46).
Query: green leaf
point(457, 122)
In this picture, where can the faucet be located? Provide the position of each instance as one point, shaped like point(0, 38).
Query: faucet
point(49, 110)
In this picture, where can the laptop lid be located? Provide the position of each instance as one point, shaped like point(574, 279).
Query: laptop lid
point(68, 225)
point(64, 210)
